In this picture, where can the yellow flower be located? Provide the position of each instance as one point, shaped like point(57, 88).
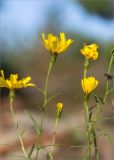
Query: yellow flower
point(90, 51)
point(89, 84)
point(13, 83)
point(54, 44)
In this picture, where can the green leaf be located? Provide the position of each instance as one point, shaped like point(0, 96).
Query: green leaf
point(41, 90)
point(23, 131)
point(37, 129)
point(57, 94)
point(108, 137)
point(110, 140)
point(98, 99)
point(31, 151)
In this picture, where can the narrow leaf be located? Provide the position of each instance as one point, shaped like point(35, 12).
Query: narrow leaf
point(38, 130)
point(31, 151)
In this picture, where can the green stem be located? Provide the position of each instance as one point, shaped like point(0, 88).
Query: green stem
point(52, 60)
point(88, 118)
point(98, 114)
point(107, 91)
point(53, 141)
point(52, 145)
point(86, 66)
point(95, 145)
point(107, 83)
point(91, 134)
point(88, 128)
point(11, 97)
point(86, 115)
point(94, 138)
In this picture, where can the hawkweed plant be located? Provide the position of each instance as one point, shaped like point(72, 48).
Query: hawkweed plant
point(12, 83)
point(88, 86)
point(56, 45)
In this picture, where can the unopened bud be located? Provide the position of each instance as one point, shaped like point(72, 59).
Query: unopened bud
point(59, 110)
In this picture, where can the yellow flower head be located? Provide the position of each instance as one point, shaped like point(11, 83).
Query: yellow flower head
point(13, 83)
point(90, 51)
point(54, 44)
point(89, 84)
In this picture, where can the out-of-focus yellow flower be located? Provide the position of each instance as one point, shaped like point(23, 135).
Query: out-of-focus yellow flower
point(13, 83)
point(90, 51)
point(89, 84)
point(54, 44)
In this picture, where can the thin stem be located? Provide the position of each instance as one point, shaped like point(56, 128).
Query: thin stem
point(53, 141)
point(107, 91)
point(95, 145)
point(39, 135)
point(107, 83)
point(88, 128)
point(86, 65)
point(86, 115)
point(11, 97)
point(52, 60)
point(88, 118)
point(110, 90)
point(94, 138)
point(12, 112)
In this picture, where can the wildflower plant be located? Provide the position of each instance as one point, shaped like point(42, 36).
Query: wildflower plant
point(88, 86)
point(55, 46)
point(11, 84)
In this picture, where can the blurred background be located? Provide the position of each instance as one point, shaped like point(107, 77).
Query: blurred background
point(21, 51)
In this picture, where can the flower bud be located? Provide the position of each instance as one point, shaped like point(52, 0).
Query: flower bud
point(59, 109)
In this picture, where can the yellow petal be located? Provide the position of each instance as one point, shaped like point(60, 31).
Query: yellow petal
point(2, 73)
point(69, 42)
point(62, 37)
point(13, 79)
point(8, 84)
point(30, 85)
point(26, 80)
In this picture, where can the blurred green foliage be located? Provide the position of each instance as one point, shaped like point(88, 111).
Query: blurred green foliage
point(103, 8)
